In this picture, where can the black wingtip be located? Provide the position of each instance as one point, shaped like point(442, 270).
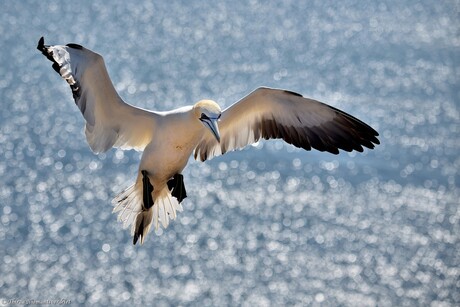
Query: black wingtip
point(293, 93)
point(41, 44)
point(75, 46)
point(42, 48)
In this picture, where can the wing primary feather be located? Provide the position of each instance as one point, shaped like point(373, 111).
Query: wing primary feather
point(75, 46)
point(293, 93)
point(110, 122)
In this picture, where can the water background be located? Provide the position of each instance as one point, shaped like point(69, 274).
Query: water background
point(269, 225)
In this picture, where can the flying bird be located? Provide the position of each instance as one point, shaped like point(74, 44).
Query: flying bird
point(168, 139)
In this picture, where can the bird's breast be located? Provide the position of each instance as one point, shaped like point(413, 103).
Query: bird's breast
point(169, 151)
point(167, 158)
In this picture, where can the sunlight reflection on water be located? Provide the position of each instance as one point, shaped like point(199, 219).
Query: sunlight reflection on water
point(269, 225)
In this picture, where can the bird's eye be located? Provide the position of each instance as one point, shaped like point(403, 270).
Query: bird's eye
point(204, 116)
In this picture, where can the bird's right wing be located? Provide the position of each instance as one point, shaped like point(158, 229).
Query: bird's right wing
point(279, 114)
point(110, 122)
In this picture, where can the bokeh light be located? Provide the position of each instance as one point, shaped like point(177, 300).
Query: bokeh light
point(268, 225)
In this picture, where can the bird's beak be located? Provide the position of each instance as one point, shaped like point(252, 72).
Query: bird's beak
point(211, 123)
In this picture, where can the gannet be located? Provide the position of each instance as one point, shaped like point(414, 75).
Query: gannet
point(168, 139)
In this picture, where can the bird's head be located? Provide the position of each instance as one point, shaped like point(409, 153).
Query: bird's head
point(208, 112)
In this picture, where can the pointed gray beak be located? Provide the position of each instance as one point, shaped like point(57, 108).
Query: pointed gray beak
point(211, 123)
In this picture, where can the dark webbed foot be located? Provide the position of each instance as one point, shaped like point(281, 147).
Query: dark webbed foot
point(147, 190)
point(177, 187)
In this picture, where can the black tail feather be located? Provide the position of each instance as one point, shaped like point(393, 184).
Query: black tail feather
point(139, 231)
point(142, 225)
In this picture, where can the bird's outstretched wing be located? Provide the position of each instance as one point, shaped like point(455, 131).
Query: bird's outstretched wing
point(278, 114)
point(110, 122)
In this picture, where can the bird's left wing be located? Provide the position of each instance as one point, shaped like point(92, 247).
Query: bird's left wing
point(279, 114)
point(110, 122)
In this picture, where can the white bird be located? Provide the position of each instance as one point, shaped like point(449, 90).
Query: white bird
point(169, 138)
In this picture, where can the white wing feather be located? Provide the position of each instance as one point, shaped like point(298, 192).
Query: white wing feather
point(110, 122)
point(272, 113)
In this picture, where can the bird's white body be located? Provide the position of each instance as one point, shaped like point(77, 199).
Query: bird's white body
point(168, 152)
point(174, 138)
point(168, 139)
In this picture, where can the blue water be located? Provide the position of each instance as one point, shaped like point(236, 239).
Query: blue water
point(269, 225)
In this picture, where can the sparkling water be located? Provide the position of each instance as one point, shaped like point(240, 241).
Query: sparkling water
point(268, 225)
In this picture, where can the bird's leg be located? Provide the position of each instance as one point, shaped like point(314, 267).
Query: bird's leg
point(147, 190)
point(177, 187)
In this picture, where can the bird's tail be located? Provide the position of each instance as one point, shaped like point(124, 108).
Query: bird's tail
point(140, 210)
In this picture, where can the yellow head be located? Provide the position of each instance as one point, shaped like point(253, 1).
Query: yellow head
point(208, 112)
